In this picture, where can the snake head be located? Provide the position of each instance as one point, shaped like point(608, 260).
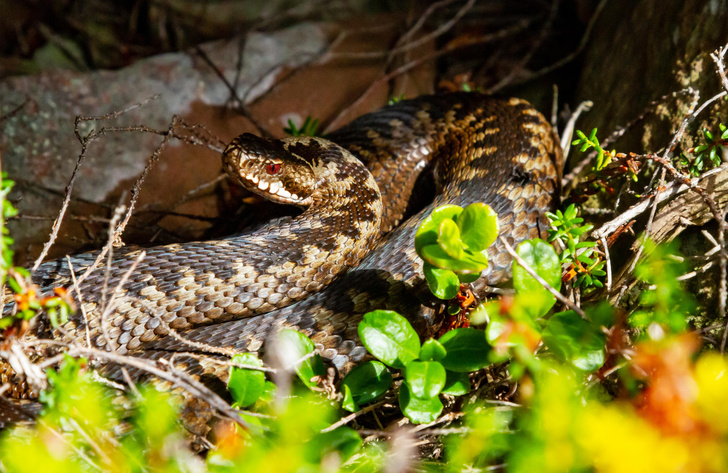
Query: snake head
point(267, 168)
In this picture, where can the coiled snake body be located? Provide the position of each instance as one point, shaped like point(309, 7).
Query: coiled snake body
point(237, 291)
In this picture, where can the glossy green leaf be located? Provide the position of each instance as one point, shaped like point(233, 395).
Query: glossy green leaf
point(425, 378)
point(417, 410)
point(428, 231)
point(448, 237)
point(246, 385)
point(343, 440)
point(365, 383)
point(575, 340)
point(457, 384)
point(432, 350)
point(467, 350)
point(466, 278)
point(478, 226)
point(542, 258)
point(443, 283)
point(348, 401)
point(469, 262)
point(298, 346)
point(389, 337)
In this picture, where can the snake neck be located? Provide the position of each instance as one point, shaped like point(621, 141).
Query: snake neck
point(180, 286)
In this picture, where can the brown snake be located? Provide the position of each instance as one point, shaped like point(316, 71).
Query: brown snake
point(235, 292)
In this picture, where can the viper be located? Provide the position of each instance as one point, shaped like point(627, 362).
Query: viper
point(349, 252)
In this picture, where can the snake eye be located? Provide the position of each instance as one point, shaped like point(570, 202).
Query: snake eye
point(273, 168)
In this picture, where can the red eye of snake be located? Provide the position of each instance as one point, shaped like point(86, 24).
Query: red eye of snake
point(273, 168)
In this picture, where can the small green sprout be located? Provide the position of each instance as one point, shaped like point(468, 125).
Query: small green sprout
point(396, 99)
point(713, 151)
point(586, 265)
point(308, 128)
point(604, 157)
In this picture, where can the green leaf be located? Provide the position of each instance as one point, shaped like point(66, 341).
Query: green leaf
point(575, 340)
point(542, 258)
point(448, 237)
point(469, 263)
point(419, 411)
point(602, 315)
point(428, 232)
point(570, 212)
point(246, 385)
point(389, 337)
point(467, 350)
point(457, 384)
point(366, 382)
point(478, 226)
point(344, 440)
point(432, 350)
point(444, 284)
point(425, 378)
point(467, 278)
point(348, 402)
point(300, 346)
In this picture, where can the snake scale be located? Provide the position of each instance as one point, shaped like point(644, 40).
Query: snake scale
point(237, 291)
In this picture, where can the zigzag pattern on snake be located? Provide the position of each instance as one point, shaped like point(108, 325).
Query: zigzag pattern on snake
point(478, 148)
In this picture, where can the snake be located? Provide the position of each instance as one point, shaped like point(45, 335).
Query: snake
point(349, 252)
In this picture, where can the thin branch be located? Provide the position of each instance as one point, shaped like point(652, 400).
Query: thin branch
point(405, 45)
point(111, 305)
point(518, 27)
point(671, 190)
point(188, 384)
point(346, 419)
point(241, 105)
point(80, 300)
point(608, 261)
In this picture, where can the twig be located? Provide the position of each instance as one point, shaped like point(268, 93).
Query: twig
point(666, 165)
point(94, 446)
point(521, 65)
point(420, 23)
point(80, 300)
point(673, 189)
point(66, 199)
point(109, 249)
point(409, 45)
point(449, 417)
point(14, 111)
point(608, 261)
point(229, 363)
point(241, 105)
point(77, 450)
point(566, 136)
point(345, 420)
point(717, 57)
point(111, 305)
point(85, 142)
point(541, 281)
point(518, 27)
point(569, 57)
point(136, 188)
point(192, 386)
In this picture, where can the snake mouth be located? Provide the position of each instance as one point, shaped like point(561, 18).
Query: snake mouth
point(274, 188)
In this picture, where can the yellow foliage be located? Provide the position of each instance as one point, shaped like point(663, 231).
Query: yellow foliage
point(711, 376)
